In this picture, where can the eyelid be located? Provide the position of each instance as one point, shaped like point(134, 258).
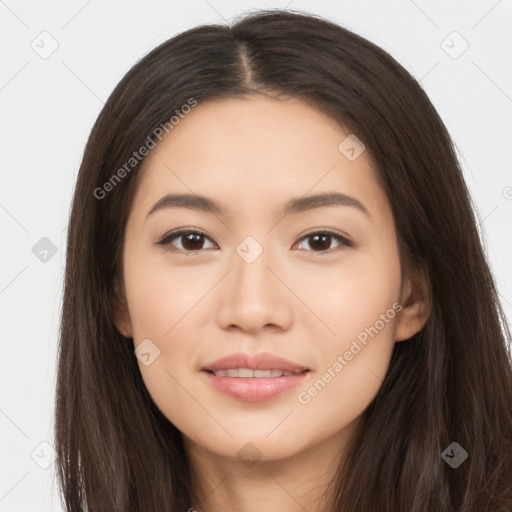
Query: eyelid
point(327, 231)
point(172, 235)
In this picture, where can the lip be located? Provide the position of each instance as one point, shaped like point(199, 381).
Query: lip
point(253, 389)
point(262, 361)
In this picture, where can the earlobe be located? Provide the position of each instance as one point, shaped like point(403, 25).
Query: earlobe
point(416, 306)
point(120, 312)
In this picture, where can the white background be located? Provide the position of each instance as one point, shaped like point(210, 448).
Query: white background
point(48, 106)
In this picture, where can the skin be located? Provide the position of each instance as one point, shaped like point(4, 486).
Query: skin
point(308, 306)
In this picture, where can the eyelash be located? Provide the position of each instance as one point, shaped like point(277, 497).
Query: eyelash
point(166, 240)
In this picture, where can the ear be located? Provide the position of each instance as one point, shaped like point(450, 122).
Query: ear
point(416, 304)
point(120, 310)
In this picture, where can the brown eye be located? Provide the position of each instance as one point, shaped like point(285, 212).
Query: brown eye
point(189, 240)
point(321, 241)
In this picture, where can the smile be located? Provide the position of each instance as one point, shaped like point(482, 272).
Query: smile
point(253, 378)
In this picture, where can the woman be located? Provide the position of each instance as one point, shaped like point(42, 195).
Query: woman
point(276, 296)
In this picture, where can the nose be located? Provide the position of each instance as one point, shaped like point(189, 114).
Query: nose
point(253, 296)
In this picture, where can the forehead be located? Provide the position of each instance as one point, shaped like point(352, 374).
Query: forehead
point(257, 153)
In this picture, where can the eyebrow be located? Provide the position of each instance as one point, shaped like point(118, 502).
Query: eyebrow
point(296, 205)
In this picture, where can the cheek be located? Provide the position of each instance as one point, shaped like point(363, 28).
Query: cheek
point(164, 303)
point(349, 297)
point(359, 306)
point(353, 364)
point(160, 294)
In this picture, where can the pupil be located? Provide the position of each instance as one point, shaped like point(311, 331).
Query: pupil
point(317, 237)
point(193, 239)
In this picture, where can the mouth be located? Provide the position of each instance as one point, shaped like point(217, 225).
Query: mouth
point(253, 378)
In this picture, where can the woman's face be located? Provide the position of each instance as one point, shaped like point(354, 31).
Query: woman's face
point(258, 280)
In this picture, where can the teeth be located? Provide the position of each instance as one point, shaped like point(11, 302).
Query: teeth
point(248, 373)
point(266, 373)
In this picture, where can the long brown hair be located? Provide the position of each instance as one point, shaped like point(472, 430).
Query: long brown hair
point(452, 382)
